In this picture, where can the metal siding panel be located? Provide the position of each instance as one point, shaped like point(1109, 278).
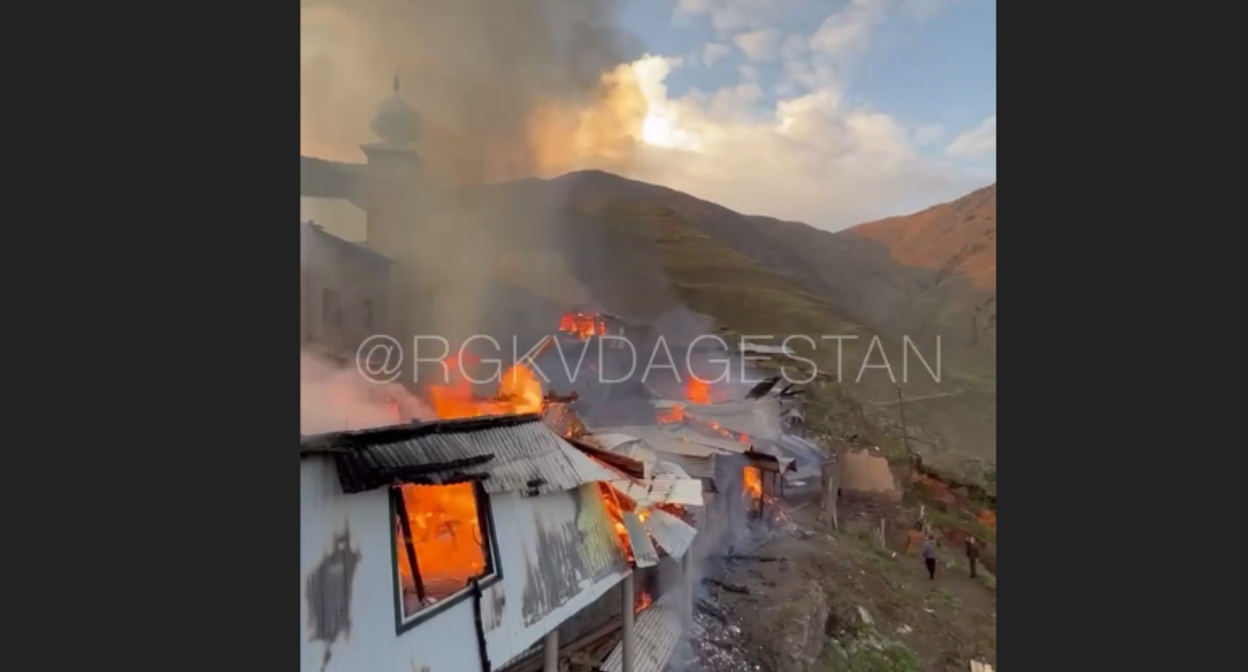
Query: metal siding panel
point(536, 602)
point(660, 490)
point(670, 533)
point(673, 437)
point(658, 630)
point(696, 467)
point(644, 554)
point(666, 468)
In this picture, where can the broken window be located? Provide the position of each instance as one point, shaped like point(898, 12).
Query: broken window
point(442, 542)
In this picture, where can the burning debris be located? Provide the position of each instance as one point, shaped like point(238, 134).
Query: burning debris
point(752, 487)
point(656, 482)
point(583, 325)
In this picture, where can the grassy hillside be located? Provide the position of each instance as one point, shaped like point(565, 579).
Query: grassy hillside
point(932, 272)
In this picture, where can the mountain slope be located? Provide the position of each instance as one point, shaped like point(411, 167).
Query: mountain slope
point(921, 275)
point(958, 237)
point(918, 276)
point(645, 251)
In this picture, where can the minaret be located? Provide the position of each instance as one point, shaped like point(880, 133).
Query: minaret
point(393, 177)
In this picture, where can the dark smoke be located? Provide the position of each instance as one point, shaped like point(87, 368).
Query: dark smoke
point(482, 74)
point(476, 70)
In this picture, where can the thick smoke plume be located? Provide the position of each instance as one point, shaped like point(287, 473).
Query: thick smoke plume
point(506, 89)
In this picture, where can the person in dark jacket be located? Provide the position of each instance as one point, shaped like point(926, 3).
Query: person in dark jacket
point(929, 557)
point(972, 552)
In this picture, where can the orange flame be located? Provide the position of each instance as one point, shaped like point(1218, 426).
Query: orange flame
point(519, 391)
point(752, 482)
point(582, 325)
point(677, 414)
point(673, 414)
point(642, 602)
point(698, 391)
point(615, 505)
point(446, 535)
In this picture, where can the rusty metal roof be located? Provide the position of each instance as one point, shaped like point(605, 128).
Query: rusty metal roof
point(509, 453)
point(562, 419)
point(672, 534)
point(656, 633)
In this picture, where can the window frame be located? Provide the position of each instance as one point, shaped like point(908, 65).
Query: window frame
point(331, 306)
point(490, 575)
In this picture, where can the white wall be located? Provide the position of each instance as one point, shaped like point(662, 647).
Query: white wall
point(517, 520)
point(446, 642)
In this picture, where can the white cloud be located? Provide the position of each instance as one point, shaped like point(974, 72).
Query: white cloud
point(976, 142)
point(848, 29)
point(714, 51)
point(759, 45)
point(812, 153)
point(929, 134)
point(810, 157)
point(728, 15)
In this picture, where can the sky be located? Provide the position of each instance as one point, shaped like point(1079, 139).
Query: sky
point(831, 112)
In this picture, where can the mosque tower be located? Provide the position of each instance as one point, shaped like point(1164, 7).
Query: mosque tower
point(393, 178)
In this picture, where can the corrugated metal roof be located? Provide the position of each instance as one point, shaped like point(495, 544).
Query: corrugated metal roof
point(759, 418)
point(661, 490)
point(667, 468)
point(589, 470)
point(696, 467)
point(644, 554)
point(612, 440)
point(669, 532)
point(769, 462)
point(511, 453)
point(630, 447)
point(657, 631)
point(676, 438)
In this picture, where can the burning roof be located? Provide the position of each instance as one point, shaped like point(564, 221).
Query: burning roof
point(508, 453)
point(674, 535)
point(759, 419)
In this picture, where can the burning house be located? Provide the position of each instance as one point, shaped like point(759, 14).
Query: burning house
point(583, 322)
point(470, 544)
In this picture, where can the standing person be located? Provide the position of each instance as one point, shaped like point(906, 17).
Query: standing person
point(972, 552)
point(929, 557)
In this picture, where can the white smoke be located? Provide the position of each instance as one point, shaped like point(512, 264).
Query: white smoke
point(333, 398)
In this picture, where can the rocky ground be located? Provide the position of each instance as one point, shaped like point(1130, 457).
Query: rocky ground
point(803, 598)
